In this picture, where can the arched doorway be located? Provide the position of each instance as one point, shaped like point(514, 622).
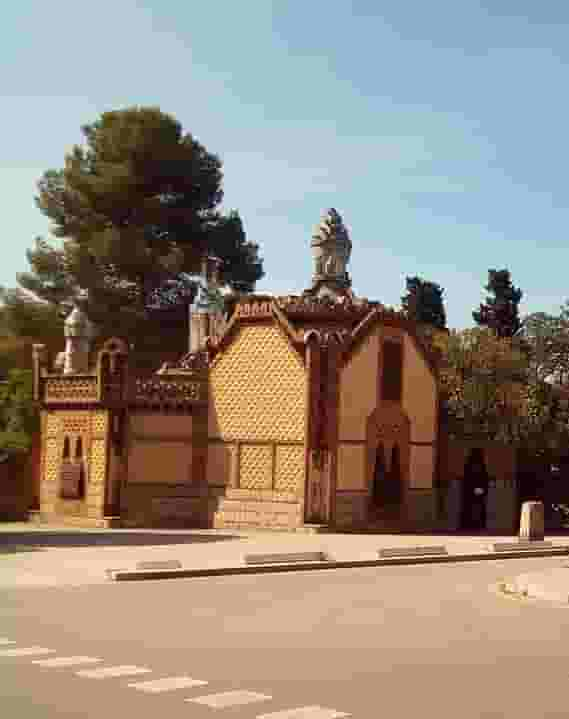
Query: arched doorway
point(474, 492)
point(387, 487)
point(378, 484)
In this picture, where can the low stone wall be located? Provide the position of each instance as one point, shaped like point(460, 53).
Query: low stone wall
point(145, 504)
point(16, 490)
point(160, 505)
point(253, 510)
point(502, 506)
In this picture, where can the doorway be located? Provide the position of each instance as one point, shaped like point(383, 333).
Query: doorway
point(387, 488)
point(474, 492)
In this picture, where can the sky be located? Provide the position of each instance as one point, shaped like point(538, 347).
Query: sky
point(437, 129)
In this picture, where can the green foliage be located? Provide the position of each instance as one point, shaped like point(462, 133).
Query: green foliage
point(492, 390)
point(501, 311)
point(18, 416)
point(20, 316)
point(423, 302)
point(136, 208)
point(547, 340)
point(483, 379)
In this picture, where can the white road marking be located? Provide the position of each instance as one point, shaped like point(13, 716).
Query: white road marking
point(4, 641)
point(65, 661)
point(305, 713)
point(229, 699)
point(154, 686)
point(25, 652)
point(119, 671)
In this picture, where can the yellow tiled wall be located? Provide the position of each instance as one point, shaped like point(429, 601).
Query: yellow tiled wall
point(257, 388)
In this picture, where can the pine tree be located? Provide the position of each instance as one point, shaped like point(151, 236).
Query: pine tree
point(424, 302)
point(135, 209)
point(501, 311)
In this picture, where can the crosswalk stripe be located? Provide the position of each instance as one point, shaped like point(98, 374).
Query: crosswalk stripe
point(154, 686)
point(4, 641)
point(305, 713)
point(229, 699)
point(25, 652)
point(119, 671)
point(65, 661)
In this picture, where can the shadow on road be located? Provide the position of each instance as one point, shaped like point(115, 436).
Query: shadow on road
point(16, 548)
point(11, 542)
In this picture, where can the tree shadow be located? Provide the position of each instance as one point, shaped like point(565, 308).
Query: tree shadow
point(11, 542)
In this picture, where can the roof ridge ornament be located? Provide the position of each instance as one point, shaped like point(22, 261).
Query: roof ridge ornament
point(331, 250)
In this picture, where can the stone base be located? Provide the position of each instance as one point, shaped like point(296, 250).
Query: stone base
point(40, 519)
point(313, 529)
point(252, 514)
point(351, 510)
point(421, 510)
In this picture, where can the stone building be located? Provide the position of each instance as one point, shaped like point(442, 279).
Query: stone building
point(314, 409)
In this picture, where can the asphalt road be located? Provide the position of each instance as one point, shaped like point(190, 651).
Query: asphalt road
point(424, 641)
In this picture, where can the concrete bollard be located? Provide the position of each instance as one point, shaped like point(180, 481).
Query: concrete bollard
point(532, 522)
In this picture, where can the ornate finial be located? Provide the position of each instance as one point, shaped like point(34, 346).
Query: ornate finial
point(331, 229)
point(79, 331)
point(78, 323)
point(331, 250)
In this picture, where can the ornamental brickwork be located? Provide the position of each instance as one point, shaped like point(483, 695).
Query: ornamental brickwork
point(257, 388)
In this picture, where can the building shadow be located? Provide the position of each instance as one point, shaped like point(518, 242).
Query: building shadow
point(27, 541)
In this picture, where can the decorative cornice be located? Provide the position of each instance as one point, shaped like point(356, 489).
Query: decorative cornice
point(174, 392)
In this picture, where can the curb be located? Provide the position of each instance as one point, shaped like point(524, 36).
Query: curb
point(133, 575)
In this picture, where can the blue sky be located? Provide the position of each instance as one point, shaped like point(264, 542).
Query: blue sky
point(438, 129)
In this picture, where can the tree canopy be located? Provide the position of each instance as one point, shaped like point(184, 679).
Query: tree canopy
point(501, 310)
point(491, 390)
point(423, 302)
point(546, 337)
point(18, 416)
point(135, 209)
point(483, 377)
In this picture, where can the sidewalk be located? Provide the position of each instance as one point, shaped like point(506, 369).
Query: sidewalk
point(54, 557)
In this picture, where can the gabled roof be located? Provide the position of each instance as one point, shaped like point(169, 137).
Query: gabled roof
point(298, 317)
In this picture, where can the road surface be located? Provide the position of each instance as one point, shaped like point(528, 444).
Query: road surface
point(393, 642)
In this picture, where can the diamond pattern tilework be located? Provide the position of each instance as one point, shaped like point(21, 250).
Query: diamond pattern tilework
point(255, 467)
point(290, 469)
point(51, 459)
point(99, 421)
point(98, 461)
point(51, 424)
point(257, 388)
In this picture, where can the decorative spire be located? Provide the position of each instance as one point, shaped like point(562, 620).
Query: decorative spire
point(331, 250)
point(79, 331)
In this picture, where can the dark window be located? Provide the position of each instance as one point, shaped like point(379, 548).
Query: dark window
point(391, 380)
point(66, 450)
point(79, 448)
